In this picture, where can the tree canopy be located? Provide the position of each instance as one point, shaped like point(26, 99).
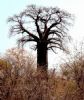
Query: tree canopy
point(42, 24)
point(46, 26)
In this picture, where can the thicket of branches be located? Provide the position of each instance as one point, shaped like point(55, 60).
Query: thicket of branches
point(19, 79)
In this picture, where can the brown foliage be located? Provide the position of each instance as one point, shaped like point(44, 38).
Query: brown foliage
point(25, 83)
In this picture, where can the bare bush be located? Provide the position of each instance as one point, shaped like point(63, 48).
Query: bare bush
point(23, 82)
point(73, 70)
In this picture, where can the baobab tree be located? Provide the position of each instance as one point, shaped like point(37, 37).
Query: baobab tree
point(45, 26)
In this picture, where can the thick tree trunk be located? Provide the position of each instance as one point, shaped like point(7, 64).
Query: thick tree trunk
point(42, 57)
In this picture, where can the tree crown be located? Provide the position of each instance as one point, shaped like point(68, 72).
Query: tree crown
point(42, 24)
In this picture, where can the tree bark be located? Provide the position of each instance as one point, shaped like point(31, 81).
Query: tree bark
point(42, 56)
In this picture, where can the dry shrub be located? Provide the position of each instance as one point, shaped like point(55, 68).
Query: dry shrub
point(29, 85)
point(73, 70)
point(21, 81)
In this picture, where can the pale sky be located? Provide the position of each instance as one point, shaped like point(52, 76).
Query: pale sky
point(10, 7)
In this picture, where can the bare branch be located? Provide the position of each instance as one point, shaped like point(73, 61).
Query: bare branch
point(38, 28)
point(49, 23)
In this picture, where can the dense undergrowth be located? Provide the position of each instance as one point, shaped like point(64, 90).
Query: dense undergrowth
point(19, 79)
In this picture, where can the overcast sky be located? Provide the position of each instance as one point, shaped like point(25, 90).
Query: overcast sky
point(11, 7)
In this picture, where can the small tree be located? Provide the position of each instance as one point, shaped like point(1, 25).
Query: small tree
point(45, 26)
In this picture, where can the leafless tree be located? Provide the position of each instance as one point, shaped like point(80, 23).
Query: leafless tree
point(45, 26)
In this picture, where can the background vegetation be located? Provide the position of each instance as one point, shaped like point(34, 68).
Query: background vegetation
point(19, 79)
